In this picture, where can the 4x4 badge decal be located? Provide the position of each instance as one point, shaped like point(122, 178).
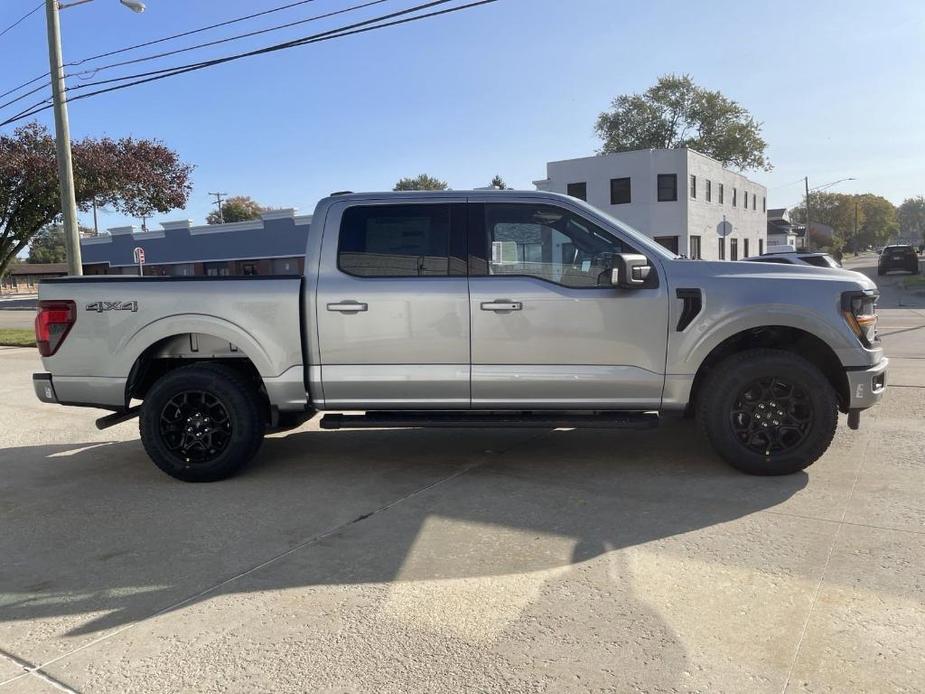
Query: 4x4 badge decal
point(100, 306)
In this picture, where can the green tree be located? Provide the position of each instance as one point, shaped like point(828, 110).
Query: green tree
point(421, 182)
point(676, 112)
point(879, 224)
point(498, 182)
point(912, 217)
point(47, 246)
point(237, 208)
point(876, 217)
point(135, 177)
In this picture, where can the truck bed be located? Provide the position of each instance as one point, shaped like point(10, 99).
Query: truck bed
point(118, 319)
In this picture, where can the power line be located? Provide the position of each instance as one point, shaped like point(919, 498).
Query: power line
point(312, 38)
point(152, 42)
point(287, 25)
point(46, 85)
point(190, 32)
point(23, 18)
point(357, 28)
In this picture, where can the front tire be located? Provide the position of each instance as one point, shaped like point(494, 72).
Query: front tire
point(201, 423)
point(768, 412)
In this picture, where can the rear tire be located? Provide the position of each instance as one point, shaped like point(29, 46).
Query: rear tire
point(768, 412)
point(201, 423)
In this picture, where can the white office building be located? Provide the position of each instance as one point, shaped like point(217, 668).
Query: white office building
point(683, 199)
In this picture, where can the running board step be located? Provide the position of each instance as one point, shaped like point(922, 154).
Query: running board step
point(491, 420)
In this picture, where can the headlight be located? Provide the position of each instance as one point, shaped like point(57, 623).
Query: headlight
point(860, 311)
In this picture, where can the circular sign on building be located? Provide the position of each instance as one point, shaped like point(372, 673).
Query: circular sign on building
point(724, 228)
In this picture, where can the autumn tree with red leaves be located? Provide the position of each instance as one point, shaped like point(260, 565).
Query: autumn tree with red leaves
point(135, 177)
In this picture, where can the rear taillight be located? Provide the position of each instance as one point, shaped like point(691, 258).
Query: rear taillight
point(52, 324)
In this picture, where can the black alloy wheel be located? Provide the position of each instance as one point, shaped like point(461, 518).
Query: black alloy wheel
point(772, 416)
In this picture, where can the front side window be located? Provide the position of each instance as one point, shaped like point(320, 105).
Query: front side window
point(693, 186)
point(620, 192)
point(398, 241)
point(549, 243)
point(578, 190)
point(667, 187)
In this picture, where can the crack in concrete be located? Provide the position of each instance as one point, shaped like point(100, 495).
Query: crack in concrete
point(32, 670)
point(825, 568)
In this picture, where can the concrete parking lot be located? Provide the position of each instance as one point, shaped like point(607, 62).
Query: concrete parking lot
point(413, 561)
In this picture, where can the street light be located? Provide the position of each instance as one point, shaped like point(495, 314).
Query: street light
point(817, 188)
point(62, 129)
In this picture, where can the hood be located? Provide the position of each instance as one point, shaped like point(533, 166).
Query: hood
point(776, 271)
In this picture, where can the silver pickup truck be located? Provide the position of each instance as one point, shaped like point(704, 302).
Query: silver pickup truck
point(469, 309)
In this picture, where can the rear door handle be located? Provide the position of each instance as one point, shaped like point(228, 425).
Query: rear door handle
point(502, 305)
point(348, 307)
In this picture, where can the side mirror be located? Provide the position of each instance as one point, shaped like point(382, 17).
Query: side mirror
point(631, 271)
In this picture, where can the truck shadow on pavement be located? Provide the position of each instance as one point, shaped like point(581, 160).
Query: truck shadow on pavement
point(95, 537)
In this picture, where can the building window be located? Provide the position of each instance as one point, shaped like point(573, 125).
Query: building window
point(764, 204)
point(667, 187)
point(722, 200)
point(183, 270)
point(722, 249)
point(216, 269)
point(745, 250)
point(708, 193)
point(620, 193)
point(285, 266)
point(754, 201)
point(733, 249)
point(694, 248)
point(669, 242)
point(549, 243)
point(735, 195)
point(693, 186)
point(760, 246)
point(399, 241)
point(578, 190)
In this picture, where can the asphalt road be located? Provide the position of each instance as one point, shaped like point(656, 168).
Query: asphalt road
point(17, 312)
point(445, 561)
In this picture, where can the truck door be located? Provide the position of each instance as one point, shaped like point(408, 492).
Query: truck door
point(393, 306)
point(548, 328)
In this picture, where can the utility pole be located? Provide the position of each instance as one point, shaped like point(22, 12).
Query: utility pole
point(63, 141)
point(806, 238)
point(855, 227)
point(218, 201)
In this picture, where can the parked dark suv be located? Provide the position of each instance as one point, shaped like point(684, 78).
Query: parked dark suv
point(898, 258)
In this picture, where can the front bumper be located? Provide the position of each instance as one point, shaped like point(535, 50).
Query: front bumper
point(44, 388)
point(867, 385)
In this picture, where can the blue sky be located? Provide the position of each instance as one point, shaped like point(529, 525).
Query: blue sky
point(504, 88)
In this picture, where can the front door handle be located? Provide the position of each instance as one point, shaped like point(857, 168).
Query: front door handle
point(348, 307)
point(501, 305)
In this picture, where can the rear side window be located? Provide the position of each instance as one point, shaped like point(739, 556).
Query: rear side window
point(400, 241)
